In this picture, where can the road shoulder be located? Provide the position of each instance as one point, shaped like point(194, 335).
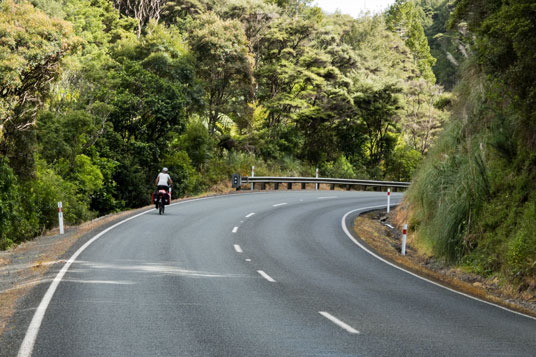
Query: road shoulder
point(374, 229)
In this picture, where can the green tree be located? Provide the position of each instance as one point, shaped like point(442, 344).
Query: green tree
point(224, 65)
point(32, 46)
point(376, 109)
point(405, 18)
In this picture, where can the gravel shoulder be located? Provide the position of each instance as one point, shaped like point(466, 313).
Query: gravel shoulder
point(374, 228)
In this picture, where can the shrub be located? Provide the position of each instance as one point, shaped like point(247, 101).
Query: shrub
point(341, 168)
point(521, 253)
point(9, 198)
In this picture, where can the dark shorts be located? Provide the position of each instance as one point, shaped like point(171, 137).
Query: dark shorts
point(163, 188)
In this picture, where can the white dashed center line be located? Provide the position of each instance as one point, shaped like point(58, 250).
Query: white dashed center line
point(338, 322)
point(266, 276)
point(251, 214)
point(235, 229)
point(326, 198)
point(280, 204)
point(237, 248)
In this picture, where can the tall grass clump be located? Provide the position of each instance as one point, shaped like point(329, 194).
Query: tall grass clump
point(473, 198)
point(448, 193)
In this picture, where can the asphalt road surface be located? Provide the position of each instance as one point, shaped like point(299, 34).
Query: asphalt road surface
point(266, 274)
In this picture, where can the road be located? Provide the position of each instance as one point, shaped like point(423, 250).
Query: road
point(266, 274)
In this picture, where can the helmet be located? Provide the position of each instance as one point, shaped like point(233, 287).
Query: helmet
point(164, 169)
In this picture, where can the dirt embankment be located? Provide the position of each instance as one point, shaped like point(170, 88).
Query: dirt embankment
point(374, 228)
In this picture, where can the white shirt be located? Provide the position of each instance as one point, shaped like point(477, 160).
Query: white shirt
point(163, 179)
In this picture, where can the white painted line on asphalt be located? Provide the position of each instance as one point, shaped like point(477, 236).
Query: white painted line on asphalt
point(338, 322)
point(248, 260)
point(28, 343)
point(280, 204)
point(251, 214)
point(326, 197)
point(235, 229)
point(237, 248)
point(266, 276)
point(345, 229)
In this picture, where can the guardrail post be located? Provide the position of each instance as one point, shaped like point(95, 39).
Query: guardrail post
point(332, 186)
point(276, 185)
point(60, 216)
point(303, 186)
point(404, 237)
point(348, 187)
point(289, 185)
point(388, 200)
point(316, 185)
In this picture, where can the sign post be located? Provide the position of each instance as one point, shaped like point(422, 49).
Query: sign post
point(236, 181)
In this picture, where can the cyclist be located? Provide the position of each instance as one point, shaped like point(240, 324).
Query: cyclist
point(163, 181)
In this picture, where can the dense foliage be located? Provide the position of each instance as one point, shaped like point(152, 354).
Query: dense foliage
point(97, 95)
point(474, 199)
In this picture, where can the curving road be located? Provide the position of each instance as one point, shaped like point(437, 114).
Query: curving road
point(267, 274)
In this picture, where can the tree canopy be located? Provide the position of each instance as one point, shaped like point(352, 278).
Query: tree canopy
point(97, 95)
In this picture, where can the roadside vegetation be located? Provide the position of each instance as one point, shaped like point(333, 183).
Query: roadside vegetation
point(96, 96)
point(473, 201)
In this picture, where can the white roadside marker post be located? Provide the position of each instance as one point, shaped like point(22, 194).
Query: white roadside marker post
point(316, 187)
point(252, 175)
point(388, 200)
point(60, 216)
point(404, 235)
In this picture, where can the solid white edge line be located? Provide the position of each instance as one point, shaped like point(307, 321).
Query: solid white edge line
point(251, 214)
point(345, 229)
point(235, 229)
point(266, 276)
point(338, 322)
point(28, 343)
point(31, 334)
point(280, 204)
point(238, 249)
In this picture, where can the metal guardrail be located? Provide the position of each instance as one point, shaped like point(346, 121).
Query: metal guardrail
point(263, 180)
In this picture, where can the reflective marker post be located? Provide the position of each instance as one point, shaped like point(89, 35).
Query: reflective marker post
point(316, 187)
point(60, 216)
point(404, 235)
point(252, 175)
point(388, 200)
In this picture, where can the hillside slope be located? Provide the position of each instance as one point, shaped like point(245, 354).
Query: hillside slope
point(473, 201)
